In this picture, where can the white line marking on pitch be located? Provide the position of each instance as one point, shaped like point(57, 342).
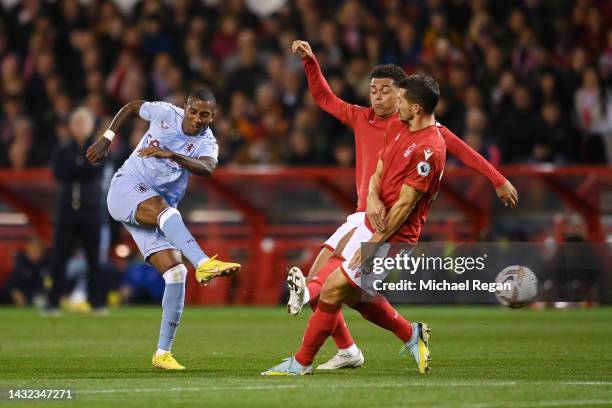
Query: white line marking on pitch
point(302, 385)
point(535, 404)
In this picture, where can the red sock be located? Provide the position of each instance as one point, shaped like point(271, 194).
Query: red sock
point(380, 312)
point(314, 287)
point(341, 335)
point(320, 325)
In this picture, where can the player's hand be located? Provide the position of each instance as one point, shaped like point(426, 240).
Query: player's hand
point(356, 260)
point(376, 213)
point(507, 194)
point(98, 151)
point(152, 151)
point(302, 48)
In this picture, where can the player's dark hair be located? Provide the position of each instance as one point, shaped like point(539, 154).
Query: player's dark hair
point(390, 71)
point(422, 89)
point(203, 94)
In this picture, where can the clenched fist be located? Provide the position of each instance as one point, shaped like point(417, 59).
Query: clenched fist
point(302, 48)
point(98, 151)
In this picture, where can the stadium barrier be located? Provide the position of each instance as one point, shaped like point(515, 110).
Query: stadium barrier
point(270, 218)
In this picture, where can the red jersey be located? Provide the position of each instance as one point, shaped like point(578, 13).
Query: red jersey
point(370, 130)
point(416, 159)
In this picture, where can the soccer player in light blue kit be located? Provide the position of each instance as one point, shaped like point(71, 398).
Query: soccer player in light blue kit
point(146, 190)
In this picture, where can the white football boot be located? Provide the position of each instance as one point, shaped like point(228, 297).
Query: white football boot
point(343, 359)
point(297, 290)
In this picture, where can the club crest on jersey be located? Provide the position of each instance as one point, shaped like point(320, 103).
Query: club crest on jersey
point(409, 150)
point(428, 153)
point(142, 188)
point(189, 147)
point(423, 168)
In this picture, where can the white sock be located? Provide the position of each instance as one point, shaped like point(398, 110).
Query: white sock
point(353, 350)
point(159, 352)
point(414, 337)
point(306, 296)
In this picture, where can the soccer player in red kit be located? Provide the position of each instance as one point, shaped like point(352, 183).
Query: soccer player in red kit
point(369, 125)
point(405, 183)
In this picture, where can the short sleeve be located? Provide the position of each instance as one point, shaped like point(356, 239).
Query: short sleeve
point(421, 168)
point(208, 148)
point(151, 110)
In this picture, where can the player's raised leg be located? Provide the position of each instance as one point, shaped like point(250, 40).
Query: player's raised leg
point(168, 262)
point(331, 251)
point(155, 211)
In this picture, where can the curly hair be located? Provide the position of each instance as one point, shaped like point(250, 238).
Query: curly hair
point(390, 71)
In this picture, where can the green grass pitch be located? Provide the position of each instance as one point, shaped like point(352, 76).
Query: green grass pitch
point(482, 357)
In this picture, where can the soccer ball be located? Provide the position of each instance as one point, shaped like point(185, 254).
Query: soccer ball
point(523, 286)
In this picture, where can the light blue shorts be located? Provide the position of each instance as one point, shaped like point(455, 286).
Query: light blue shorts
point(125, 193)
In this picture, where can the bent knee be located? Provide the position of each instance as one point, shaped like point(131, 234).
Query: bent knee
point(334, 291)
point(148, 211)
point(331, 295)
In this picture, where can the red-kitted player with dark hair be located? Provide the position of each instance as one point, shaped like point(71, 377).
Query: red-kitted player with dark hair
point(369, 125)
point(405, 183)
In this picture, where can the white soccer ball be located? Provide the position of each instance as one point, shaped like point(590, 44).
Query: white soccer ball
point(522, 286)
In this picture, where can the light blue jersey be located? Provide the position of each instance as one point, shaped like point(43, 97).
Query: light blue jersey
point(165, 176)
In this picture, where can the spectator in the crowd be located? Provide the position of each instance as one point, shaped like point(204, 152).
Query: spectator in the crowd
point(517, 130)
point(30, 270)
point(301, 152)
point(56, 55)
point(141, 283)
point(77, 210)
point(20, 152)
point(605, 60)
point(557, 135)
point(593, 104)
point(344, 152)
point(488, 150)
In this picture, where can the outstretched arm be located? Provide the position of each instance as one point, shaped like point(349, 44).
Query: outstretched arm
point(98, 151)
point(471, 158)
point(319, 88)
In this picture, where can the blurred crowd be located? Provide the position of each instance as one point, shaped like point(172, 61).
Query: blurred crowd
point(522, 81)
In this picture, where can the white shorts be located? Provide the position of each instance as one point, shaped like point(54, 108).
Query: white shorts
point(362, 234)
point(124, 195)
point(352, 221)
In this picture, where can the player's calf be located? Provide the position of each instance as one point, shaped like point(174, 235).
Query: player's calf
point(172, 225)
point(172, 306)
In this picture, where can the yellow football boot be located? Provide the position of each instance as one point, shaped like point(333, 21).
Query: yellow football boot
point(214, 268)
point(419, 346)
point(166, 362)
